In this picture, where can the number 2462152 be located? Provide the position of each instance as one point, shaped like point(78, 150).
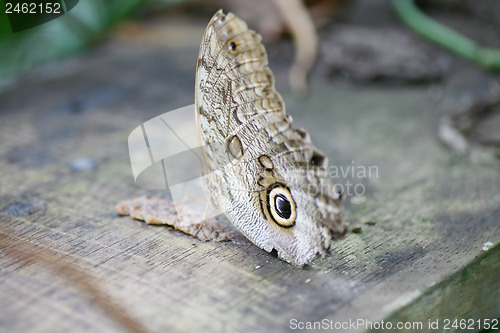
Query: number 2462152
point(470, 324)
point(33, 8)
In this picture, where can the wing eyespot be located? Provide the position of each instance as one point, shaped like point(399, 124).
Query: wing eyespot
point(281, 205)
point(232, 46)
point(235, 148)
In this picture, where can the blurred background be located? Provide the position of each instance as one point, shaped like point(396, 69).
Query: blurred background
point(449, 45)
point(91, 22)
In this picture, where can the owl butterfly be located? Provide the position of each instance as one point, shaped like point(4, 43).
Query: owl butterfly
point(266, 176)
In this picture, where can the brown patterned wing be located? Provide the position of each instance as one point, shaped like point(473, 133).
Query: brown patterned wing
point(267, 177)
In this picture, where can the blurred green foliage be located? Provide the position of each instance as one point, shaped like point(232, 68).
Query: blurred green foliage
point(488, 58)
point(65, 35)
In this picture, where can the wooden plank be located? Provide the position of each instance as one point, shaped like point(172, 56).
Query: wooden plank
point(422, 223)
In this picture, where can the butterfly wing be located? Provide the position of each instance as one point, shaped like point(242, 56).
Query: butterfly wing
point(266, 176)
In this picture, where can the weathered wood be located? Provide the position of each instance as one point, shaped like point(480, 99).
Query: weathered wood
point(421, 225)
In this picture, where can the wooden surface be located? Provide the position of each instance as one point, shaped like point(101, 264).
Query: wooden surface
point(421, 226)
